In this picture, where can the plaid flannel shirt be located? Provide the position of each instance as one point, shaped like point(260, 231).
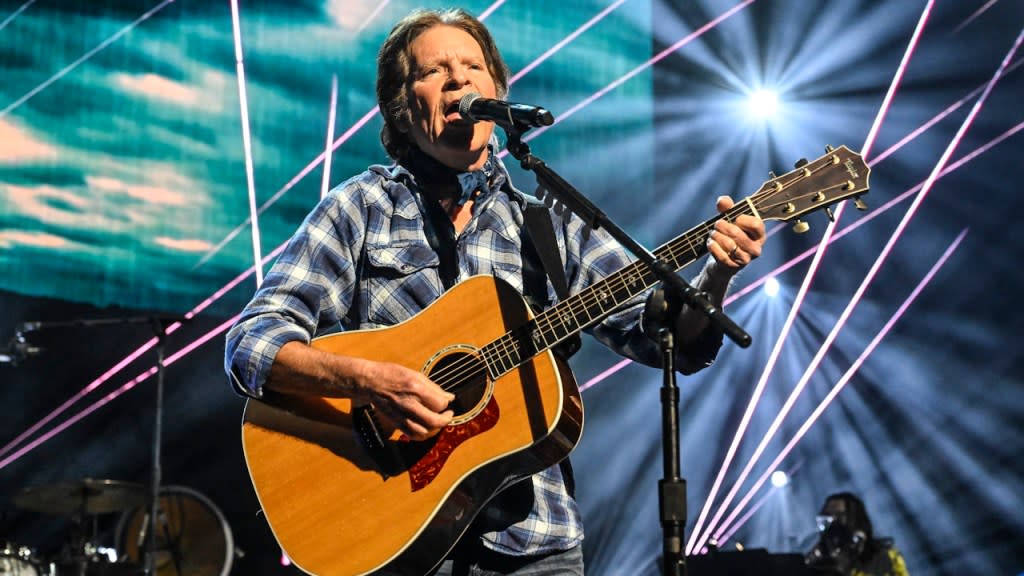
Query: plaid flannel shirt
point(362, 259)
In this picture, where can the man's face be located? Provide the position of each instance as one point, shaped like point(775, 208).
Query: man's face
point(448, 63)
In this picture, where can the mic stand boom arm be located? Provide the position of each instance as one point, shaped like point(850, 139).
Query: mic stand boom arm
point(585, 209)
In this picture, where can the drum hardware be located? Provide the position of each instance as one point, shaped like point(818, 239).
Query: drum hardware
point(80, 498)
point(22, 561)
point(83, 501)
point(159, 325)
point(192, 536)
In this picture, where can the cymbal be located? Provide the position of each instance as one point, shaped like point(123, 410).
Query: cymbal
point(86, 496)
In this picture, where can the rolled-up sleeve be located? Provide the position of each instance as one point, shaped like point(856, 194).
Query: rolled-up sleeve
point(311, 285)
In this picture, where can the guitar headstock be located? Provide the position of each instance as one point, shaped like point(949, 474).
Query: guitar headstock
point(836, 176)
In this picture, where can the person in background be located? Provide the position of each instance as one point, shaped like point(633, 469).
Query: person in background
point(847, 545)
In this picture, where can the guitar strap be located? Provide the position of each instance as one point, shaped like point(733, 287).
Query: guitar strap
point(540, 246)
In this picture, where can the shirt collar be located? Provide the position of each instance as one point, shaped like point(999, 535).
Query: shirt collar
point(424, 171)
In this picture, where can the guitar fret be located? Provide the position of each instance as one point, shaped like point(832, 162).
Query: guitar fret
point(541, 340)
point(597, 301)
point(501, 357)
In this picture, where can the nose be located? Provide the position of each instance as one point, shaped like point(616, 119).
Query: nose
point(457, 78)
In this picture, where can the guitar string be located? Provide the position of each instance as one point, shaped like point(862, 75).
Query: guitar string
point(504, 346)
point(545, 326)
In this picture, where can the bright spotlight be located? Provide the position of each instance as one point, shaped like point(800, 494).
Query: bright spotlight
point(771, 287)
point(779, 479)
point(763, 103)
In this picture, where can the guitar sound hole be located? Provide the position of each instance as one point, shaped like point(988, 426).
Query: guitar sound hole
point(464, 375)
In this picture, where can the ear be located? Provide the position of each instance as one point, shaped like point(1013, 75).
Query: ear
point(403, 118)
point(402, 123)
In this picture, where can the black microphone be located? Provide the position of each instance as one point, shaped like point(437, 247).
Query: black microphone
point(475, 107)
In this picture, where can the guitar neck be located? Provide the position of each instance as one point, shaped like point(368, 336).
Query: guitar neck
point(835, 176)
point(596, 302)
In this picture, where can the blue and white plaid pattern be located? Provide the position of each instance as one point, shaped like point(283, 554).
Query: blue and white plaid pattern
point(361, 259)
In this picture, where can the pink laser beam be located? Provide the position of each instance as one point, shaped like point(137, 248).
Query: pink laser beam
point(849, 374)
point(561, 44)
point(131, 357)
point(973, 16)
point(900, 70)
point(628, 75)
point(376, 11)
point(801, 295)
point(697, 542)
point(934, 120)
point(757, 506)
point(490, 10)
point(869, 278)
point(114, 394)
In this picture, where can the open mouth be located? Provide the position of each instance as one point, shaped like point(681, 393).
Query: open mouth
point(452, 115)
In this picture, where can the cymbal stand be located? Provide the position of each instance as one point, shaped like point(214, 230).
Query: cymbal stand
point(155, 474)
point(159, 325)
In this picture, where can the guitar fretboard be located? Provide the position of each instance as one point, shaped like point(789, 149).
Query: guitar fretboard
point(597, 301)
point(812, 186)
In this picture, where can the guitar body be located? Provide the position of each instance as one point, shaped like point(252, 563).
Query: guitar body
point(338, 504)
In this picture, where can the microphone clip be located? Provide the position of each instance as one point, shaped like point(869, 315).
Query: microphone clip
point(18, 349)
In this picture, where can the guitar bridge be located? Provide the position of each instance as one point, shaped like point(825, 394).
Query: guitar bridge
point(369, 430)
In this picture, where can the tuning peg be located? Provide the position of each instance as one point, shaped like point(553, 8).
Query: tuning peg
point(860, 204)
point(800, 227)
point(771, 175)
point(829, 149)
point(828, 212)
point(800, 163)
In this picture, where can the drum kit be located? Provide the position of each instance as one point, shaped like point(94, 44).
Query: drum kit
point(192, 536)
point(186, 535)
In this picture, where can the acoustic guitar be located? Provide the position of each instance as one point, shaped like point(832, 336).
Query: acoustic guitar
point(344, 495)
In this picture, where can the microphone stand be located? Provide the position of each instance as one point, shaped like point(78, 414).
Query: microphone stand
point(572, 199)
point(159, 325)
point(672, 488)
